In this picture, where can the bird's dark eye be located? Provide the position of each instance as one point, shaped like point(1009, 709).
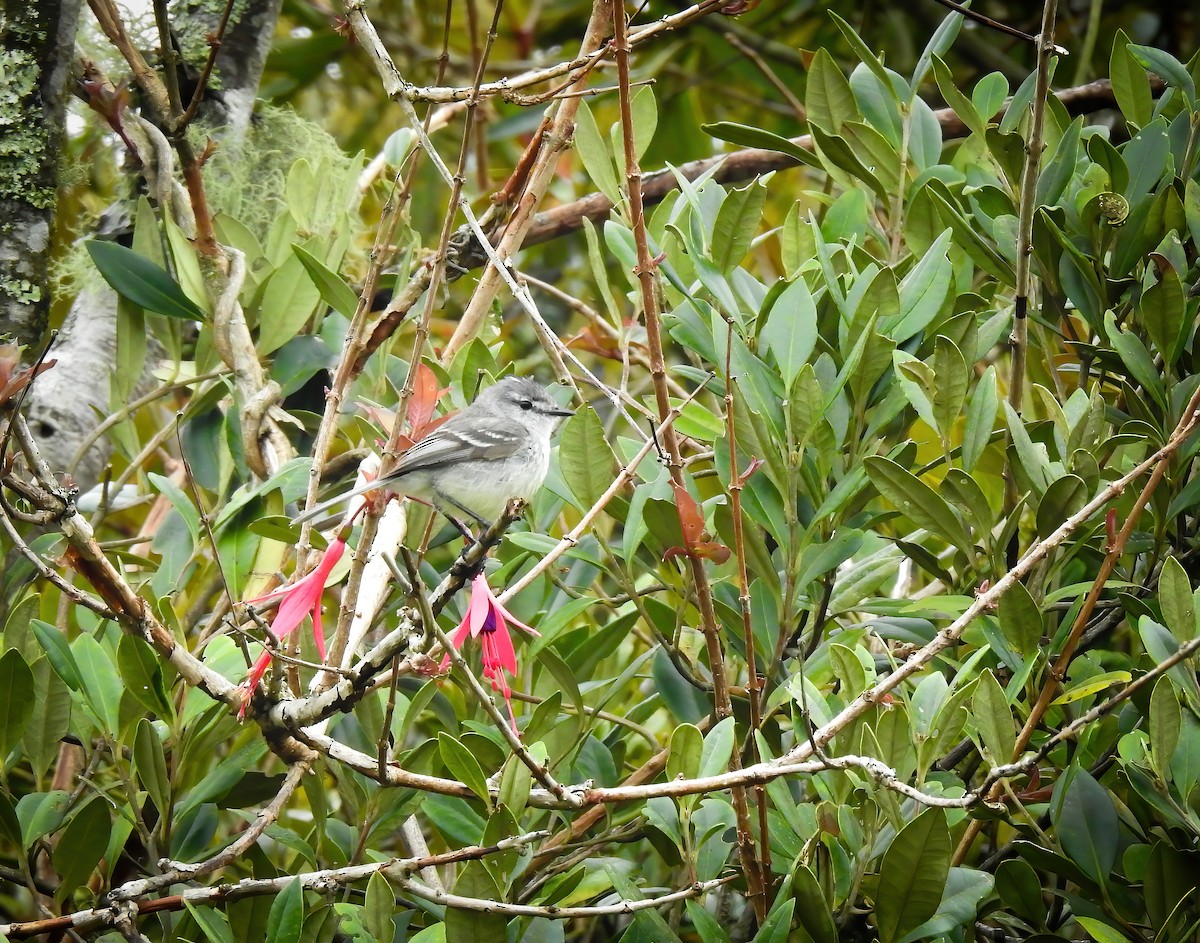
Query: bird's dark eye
point(525, 404)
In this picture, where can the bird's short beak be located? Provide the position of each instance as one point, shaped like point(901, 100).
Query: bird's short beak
point(562, 411)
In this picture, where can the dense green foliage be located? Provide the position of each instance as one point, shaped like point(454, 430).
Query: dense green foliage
point(896, 551)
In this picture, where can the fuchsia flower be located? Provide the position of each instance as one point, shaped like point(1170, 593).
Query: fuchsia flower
point(488, 620)
point(299, 599)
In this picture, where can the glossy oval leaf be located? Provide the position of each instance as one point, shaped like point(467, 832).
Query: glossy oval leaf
point(16, 700)
point(913, 875)
point(139, 280)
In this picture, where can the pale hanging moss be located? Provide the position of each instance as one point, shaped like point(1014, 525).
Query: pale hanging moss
point(246, 179)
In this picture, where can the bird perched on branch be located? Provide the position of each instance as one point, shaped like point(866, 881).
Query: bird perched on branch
point(496, 449)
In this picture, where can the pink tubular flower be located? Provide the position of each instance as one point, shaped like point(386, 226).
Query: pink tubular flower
point(488, 620)
point(299, 599)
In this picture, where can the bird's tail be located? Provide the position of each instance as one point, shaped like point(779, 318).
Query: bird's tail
point(321, 509)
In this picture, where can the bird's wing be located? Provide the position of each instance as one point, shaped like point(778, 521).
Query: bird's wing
point(486, 439)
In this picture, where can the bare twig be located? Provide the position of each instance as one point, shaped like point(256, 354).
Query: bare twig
point(997, 25)
point(396, 869)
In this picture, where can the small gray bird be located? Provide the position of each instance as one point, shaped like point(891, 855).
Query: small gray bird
point(496, 449)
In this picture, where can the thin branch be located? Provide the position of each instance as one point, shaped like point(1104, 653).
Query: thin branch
point(645, 271)
point(1034, 145)
point(214, 44)
point(396, 869)
point(179, 871)
point(554, 912)
point(396, 88)
point(997, 25)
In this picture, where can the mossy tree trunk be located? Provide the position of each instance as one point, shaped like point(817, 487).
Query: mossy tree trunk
point(36, 46)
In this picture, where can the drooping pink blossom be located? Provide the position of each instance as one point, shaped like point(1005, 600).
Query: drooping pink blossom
point(488, 621)
point(299, 599)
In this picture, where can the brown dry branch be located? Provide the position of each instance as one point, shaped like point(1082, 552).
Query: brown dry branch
point(396, 88)
point(552, 143)
point(752, 864)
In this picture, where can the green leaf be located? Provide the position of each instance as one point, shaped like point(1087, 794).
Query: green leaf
point(1088, 830)
point(81, 845)
point(10, 825)
point(993, 719)
point(989, 94)
point(102, 687)
point(212, 922)
point(286, 920)
point(585, 457)
point(778, 922)
point(58, 650)
point(1021, 622)
point(335, 292)
point(683, 761)
point(289, 299)
point(1092, 685)
point(594, 152)
point(476, 925)
point(379, 907)
point(966, 234)
point(1166, 65)
point(1166, 721)
point(1101, 932)
point(813, 911)
point(736, 224)
point(863, 51)
point(828, 100)
point(1136, 358)
point(706, 925)
point(464, 767)
point(913, 875)
point(150, 766)
point(962, 105)
point(1129, 83)
point(16, 700)
point(141, 281)
point(923, 290)
point(939, 43)
point(1163, 309)
point(1020, 889)
point(51, 720)
point(1064, 497)
point(747, 136)
point(142, 673)
point(980, 419)
point(951, 388)
point(791, 329)
point(40, 813)
point(645, 120)
point(917, 501)
point(1031, 457)
point(1160, 645)
point(718, 748)
point(1176, 600)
